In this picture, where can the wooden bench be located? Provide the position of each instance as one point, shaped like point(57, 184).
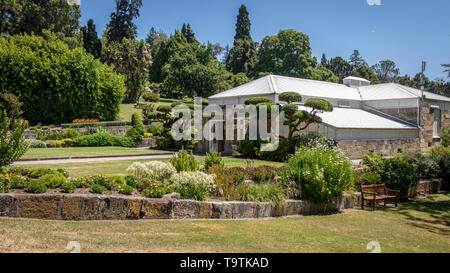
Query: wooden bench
point(377, 193)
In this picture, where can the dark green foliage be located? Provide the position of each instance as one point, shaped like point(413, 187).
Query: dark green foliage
point(11, 105)
point(56, 84)
point(319, 104)
point(68, 187)
point(131, 58)
point(319, 173)
point(366, 72)
point(25, 16)
point(156, 130)
point(130, 181)
point(91, 42)
point(136, 122)
point(12, 145)
point(154, 39)
point(399, 174)
point(188, 33)
point(134, 134)
point(290, 97)
point(121, 25)
point(151, 97)
point(242, 57)
point(386, 70)
point(340, 67)
point(184, 162)
point(425, 167)
point(213, 159)
point(445, 136)
point(257, 100)
point(102, 139)
point(36, 186)
point(164, 109)
point(98, 189)
point(289, 54)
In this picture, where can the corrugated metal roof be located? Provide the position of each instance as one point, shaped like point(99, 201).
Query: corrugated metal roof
point(261, 86)
point(319, 89)
point(273, 84)
point(351, 118)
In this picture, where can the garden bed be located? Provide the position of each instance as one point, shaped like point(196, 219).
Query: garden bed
point(106, 207)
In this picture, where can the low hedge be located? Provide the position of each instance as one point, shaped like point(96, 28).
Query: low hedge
point(96, 124)
point(102, 139)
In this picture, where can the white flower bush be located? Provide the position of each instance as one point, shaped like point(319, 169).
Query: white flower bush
point(153, 169)
point(160, 170)
point(193, 185)
point(139, 170)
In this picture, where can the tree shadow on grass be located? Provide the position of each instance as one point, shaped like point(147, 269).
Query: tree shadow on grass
point(436, 218)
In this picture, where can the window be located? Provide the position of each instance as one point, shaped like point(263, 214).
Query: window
point(437, 123)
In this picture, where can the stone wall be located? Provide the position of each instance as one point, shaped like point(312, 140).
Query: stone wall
point(356, 149)
point(90, 207)
point(426, 133)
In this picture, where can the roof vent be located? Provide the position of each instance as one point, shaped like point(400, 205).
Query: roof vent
point(356, 82)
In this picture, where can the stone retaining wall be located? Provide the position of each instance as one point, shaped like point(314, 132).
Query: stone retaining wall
point(90, 207)
point(356, 149)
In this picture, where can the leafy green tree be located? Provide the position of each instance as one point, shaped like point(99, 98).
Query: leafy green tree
point(154, 39)
point(192, 71)
point(166, 49)
point(356, 60)
point(216, 50)
point(386, 70)
point(91, 42)
point(295, 118)
point(289, 54)
point(121, 24)
point(34, 16)
point(12, 106)
point(12, 146)
point(324, 60)
point(366, 72)
point(242, 57)
point(56, 84)
point(133, 59)
point(340, 67)
point(188, 33)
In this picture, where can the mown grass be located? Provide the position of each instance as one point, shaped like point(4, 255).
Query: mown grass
point(85, 151)
point(119, 167)
point(417, 226)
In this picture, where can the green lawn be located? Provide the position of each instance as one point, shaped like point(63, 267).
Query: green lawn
point(85, 151)
point(127, 109)
point(119, 167)
point(418, 226)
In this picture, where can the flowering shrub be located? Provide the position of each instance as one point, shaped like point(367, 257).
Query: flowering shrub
point(153, 169)
point(85, 120)
point(193, 185)
point(319, 173)
point(264, 173)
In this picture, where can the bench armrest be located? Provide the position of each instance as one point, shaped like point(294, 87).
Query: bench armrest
point(369, 192)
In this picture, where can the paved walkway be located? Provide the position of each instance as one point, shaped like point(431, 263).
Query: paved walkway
point(81, 160)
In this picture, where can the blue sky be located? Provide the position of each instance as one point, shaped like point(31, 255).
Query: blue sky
point(406, 31)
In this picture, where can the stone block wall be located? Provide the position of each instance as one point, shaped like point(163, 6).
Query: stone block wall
point(356, 149)
point(88, 207)
point(426, 133)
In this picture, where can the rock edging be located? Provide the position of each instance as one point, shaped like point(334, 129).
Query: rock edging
point(86, 207)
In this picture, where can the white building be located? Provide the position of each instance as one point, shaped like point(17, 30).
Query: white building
point(382, 118)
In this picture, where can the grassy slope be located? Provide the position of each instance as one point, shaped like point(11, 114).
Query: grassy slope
point(85, 151)
point(119, 167)
point(419, 226)
point(127, 109)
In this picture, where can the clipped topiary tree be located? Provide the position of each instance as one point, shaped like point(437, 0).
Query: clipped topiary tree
point(299, 120)
point(12, 146)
